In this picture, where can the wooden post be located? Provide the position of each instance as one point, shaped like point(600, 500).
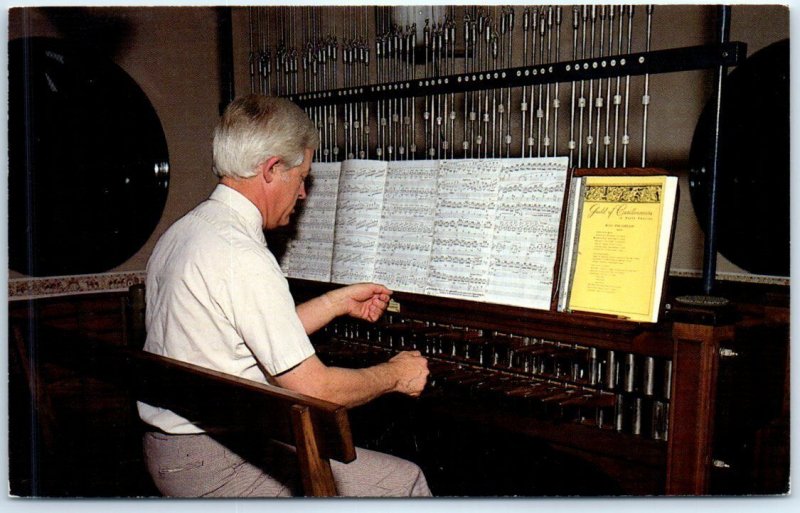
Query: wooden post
point(315, 470)
point(695, 364)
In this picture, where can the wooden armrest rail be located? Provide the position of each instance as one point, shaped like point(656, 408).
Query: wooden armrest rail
point(320, 430)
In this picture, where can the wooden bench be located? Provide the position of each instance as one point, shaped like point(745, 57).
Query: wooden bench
point(319, 430)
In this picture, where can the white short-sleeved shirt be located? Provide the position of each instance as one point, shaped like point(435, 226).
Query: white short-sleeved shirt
point(216, 297)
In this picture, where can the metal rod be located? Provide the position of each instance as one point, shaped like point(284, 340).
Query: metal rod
point(590, 102)
point(617, 91)
point(526, 15)
point(547, 101)
point(646, 95)
point(534, 37)
point(626, 138)
point(710, 251)
point(557, 99)
point(607, 136)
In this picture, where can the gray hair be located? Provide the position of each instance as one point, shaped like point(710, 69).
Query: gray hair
point(255, 128)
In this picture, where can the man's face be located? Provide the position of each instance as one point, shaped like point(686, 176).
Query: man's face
point(290, 183)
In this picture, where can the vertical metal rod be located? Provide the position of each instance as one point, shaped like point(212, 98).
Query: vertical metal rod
point(556, 99)
point(509, 63)
point(452, 114)
point(495, 53)
point(590, 102)
point(526, 14)
point(465, 144)
point(251, 58)
point(380, 61)
point(534, 37)
point(335, 109)
point(442, 99)
point(646, 95)
point(413, 144)
point(547, 101)
point(426, 34)
point(617, 93)
point(607, 136)
point(582, 98)
point(448, 98)
point(540, 88)
point(571, 143)
point(599, 99)
point(389, 104)
point(487, 47)
point(365, 79)
point(710, 251)
point(626, 138)
point(401, 115)
point(478, 96)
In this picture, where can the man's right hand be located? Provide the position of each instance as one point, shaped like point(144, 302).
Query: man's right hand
point(411, 370)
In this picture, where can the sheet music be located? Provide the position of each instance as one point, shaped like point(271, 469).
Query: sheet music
point(358, 218)
point(461, 253)
point(407, 222)
point(309, 254)
point(527, 218)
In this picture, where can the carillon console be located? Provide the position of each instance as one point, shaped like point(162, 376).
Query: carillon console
point(635, 399)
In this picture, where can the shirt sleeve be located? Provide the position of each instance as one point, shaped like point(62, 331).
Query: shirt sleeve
point(263, 312)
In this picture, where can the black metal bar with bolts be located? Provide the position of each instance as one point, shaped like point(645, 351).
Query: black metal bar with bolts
point(632, 64)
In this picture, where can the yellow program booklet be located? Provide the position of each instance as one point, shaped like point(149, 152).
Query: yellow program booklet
point(617, 245)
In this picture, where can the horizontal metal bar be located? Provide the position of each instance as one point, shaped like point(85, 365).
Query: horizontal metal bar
point(659, 61)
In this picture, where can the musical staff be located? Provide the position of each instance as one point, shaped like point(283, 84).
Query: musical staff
point(358, 214)
point(409, 207)
point(530, 197)
point(480, 229)
point(309, 253)
point(467, 193)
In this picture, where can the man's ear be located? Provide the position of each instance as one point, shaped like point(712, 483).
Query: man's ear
point(267, 169)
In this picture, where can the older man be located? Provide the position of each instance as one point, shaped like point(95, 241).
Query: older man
point(216, 297)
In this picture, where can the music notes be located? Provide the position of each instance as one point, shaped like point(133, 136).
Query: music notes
point(409, 208)
point(358, 220)
point(460, 258)
point(484, 230)
point(309, 254)
point(530, 198)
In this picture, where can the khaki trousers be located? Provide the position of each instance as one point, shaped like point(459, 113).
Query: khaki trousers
point(200, 466)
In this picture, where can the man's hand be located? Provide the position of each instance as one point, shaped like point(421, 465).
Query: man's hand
point(365, 301)
point(411, 370)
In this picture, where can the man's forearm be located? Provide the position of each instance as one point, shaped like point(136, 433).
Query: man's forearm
point(316, 313)
point(354, 387)
point(406, 372)
point(348, 387)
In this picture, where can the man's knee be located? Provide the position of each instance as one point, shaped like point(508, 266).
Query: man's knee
point(378, 474)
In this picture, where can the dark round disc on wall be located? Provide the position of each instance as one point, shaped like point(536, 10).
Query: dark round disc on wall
point(753, 173)
point(88, 161)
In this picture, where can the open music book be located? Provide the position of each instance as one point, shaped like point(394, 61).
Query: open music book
point(616, 245)
point(484, 230)
point(489, 230)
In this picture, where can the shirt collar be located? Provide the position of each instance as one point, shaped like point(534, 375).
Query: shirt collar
point(245, 208)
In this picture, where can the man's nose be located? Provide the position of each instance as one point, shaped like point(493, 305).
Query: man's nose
point(302, 193)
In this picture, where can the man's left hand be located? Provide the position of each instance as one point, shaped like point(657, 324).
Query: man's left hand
point(365, 301)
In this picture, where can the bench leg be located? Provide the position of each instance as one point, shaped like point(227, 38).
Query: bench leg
point(315, 470)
